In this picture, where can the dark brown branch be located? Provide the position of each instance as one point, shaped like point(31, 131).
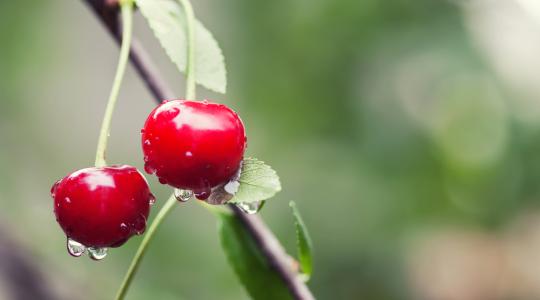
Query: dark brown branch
point(274, 252)
point(107, 12)
point(265, 239)
point(24, 279)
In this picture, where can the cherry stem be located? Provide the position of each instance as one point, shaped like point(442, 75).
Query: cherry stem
point(127, 29)
point(190, 94)
point(190, 57)
point(135, 262)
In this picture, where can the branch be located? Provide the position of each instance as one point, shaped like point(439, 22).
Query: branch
point(23, 278)
point(264, 238)
point(107, 13)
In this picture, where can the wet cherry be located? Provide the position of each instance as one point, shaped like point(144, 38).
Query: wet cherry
point(102, 207)
point(193, 145)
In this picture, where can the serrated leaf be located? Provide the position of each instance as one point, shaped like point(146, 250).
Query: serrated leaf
point(258, 181)
point(249, 264)
point(167, 20)
point(303, 243)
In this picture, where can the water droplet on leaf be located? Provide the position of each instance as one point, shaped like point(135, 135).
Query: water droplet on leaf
point(250, 207)
point(232, 187)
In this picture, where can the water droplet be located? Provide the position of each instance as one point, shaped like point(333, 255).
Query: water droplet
point(189, 154)
point(75, 248)
point(203, 194)
point(147, 143)
point(205, 102)
point(250, 207)
point(148, 168)
point(67, 199)
point(151, 199)
point(142, 131)
point(139, 225)
point(232, 187)
point(53, 188)
point(182, 195)
point(124, 227)
point(97, 253)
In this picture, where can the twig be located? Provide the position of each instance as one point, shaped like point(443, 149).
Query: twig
point(107, 13)
point(274, 253)
point(24, 279)
point(265, 239)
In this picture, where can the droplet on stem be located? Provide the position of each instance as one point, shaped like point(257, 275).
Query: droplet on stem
point(75, 248)
point(182, 195)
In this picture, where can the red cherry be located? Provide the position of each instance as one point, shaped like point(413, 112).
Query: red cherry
point(193, 145)
point(102, 207)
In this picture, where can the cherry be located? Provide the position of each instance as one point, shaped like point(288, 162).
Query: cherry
point(102, 207)
point(193, 145)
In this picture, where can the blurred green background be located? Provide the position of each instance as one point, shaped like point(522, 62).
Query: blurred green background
point(407, 131)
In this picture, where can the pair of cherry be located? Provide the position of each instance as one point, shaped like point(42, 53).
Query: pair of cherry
point(189, 145)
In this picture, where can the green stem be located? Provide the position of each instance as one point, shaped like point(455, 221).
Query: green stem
point(163, 212)
point(127, 29)
point(190, 94)
point(190, 58)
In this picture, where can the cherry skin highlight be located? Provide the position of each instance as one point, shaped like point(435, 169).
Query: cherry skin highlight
point(102, 207)
point(194, 145)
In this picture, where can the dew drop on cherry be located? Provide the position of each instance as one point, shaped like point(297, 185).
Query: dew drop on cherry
point(53, 188)
point(139, 225)
point(182, 195)
point(203, 194)
point(152, 199)
point(97, 253)
point(148, 168)
point(75, 248)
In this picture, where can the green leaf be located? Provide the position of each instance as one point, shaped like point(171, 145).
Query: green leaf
point(249, 264)
point(167, 20)
point(258, 182)
point(303, 243)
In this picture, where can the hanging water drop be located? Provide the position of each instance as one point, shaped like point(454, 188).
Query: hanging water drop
point(53, 188)
point(250, 207)
point(97, 253)
point(232, 187)
point(75, 248)
point(124, 227)
point(182, 195)
point(203, 194)
point(149, 168)
point(152, 199)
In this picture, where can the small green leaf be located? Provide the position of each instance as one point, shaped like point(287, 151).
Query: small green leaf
point(167, 20)
point(258, 182)
point(249, 264)
point(303, 243)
